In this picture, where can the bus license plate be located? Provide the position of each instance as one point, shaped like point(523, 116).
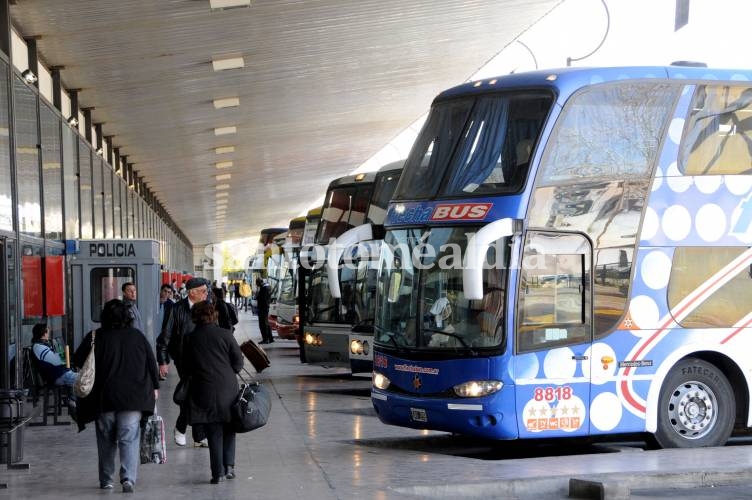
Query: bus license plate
point(418, 414)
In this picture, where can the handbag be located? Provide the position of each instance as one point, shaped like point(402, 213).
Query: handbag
point(85, 381)
point(251, 407)
point(180, 395)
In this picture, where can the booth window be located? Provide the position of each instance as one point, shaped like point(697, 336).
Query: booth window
point(106, 283)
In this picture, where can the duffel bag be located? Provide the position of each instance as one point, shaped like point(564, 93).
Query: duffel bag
point(251, 407)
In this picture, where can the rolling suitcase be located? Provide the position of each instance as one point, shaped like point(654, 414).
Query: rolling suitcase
point(255, 355)
point(153, 448)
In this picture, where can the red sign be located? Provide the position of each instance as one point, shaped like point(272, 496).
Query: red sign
point(31, 272)
point(54, 268)
point(461, 211)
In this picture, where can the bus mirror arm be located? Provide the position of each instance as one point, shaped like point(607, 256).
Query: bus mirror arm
point(477, 246)
point(336, 248)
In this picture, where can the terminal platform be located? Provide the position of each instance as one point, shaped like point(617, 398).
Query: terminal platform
point(323, 441)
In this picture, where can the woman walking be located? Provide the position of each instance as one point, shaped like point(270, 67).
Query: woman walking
point(126, 384)
point(212, 358)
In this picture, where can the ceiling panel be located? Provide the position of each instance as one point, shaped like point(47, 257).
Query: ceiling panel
point(325, 85)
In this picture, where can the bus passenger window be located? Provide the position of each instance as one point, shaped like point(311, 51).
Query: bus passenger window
point(718, 136)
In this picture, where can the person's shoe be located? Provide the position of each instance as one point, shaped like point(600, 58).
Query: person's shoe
point(179, 438)
point(230, 472)
point(204, 443)
point(216, 480)
point(263, 342)
point(128, 486)
point(271, 340)
point(106, 486)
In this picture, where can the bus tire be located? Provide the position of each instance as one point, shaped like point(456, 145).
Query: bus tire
point(696, 407)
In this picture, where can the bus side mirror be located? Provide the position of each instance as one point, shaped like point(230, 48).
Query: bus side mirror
point(336, 248)
point(477, 247)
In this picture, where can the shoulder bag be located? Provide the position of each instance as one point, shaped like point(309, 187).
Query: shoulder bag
point(180, 395)
point(85, 380)
point(251, 407)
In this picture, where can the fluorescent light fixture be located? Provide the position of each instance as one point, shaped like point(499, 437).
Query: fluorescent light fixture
point(221, 187)
point(223, 63)
point(228, 4)
point(223, 164)
point(229, 102)
point(223, 195)
point(225, 130)
point(224, 150)
point(223, 177)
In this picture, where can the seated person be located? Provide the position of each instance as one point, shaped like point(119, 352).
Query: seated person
point(51, 367)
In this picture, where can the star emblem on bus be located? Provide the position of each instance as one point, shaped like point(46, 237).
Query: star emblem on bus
point(417, 383)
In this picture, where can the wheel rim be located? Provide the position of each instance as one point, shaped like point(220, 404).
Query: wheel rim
point(693, 410)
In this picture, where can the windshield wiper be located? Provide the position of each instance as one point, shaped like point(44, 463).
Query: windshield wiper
point(453, 335)
point(382, 332)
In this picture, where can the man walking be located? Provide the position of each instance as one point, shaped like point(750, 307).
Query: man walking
point(176, 326)
point(129, 297)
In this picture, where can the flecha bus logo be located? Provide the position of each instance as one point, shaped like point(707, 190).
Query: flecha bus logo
point(461, 211)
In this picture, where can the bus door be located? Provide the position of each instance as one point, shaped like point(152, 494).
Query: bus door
point(554, 335)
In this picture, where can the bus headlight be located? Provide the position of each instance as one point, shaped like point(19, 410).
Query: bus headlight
point(380, 381)
point(477, 388)
point(296, 319)
point(356, 347)
point(365, 347)
point(309, 338)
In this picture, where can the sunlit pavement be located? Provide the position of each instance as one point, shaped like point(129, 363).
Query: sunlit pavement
point(324, 441)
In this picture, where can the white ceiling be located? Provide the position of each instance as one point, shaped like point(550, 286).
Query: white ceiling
point(325, 85)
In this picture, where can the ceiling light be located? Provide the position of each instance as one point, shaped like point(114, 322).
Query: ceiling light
point(224, 149)
point(223, 177)
point(223, 195)
point(223, 63)
point(228, 4)
point(229, 102)
point(221, 187)
point(73, 121)
point(29, 77)
point(223, 164)
point(225, 130)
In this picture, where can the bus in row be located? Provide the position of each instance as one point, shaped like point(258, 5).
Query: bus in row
point(284, 322)
point(341, 298)
point(568, 253)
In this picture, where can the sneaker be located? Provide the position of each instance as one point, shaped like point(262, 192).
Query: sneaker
point(204, 443)
point(179, 438)
point(230, 472)
point(128, 486)
point(106, 486)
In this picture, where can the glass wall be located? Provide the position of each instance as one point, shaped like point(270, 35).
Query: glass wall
point(84, 169)
point(107, 190)
point(27, 160)
point(52, 175)
point(70, 175)
point(117, 231)
point(97, 190)
point(6, 189)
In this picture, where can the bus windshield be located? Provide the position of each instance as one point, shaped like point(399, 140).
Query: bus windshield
point(421, 304)
point(344, 208)
point(484, 141)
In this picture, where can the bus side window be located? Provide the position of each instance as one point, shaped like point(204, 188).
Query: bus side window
point(554, 306)
point(718, 136)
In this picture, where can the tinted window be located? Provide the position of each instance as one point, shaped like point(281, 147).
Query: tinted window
point(724, 304)
point(27, 160)
point(718, 134)
point(52, 173)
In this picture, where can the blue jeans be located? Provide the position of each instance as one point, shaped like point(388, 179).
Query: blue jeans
point(68, 378)
point(118, 430)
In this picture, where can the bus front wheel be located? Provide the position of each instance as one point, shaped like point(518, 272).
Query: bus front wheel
point(696, 407)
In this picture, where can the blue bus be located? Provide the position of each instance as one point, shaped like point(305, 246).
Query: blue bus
point(568, 253)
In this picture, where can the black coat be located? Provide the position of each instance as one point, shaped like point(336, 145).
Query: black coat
point(176, 325)
point(211, 358)
point(226, 317)
point(126, 374)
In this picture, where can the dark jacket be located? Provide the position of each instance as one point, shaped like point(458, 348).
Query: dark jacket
point(126, 374)
point(263, 298)
point(176, 325)
point(226, 317)
point(211, 358)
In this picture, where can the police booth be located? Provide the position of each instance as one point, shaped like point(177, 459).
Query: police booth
point(99, 268)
